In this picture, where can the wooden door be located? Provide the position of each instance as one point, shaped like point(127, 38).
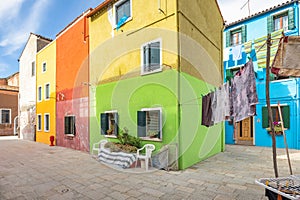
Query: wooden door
point(245, 131)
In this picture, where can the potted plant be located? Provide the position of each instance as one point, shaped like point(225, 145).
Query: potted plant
point(152, 134)
point(277, 128)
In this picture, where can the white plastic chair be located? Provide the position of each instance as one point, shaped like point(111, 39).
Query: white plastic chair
point(99, 145)
point(147, 156)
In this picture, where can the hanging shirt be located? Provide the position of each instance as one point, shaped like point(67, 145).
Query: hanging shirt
point(244, 96)
point(207, 110)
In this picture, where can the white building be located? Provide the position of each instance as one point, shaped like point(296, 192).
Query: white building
point(27, 85)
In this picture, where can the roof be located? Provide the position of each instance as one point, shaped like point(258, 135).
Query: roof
point(100, 7)
point(70, 24)
point(39, 37)
point(262, 12)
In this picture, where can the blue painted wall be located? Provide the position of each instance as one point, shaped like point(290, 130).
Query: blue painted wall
point(286, 91)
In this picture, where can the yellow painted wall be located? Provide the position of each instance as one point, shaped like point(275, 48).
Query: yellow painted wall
point(115, 53)
point(201, 22)
point(48, 55)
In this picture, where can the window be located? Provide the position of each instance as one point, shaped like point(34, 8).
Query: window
point(44, 67)
point(284, 20)
point(70, 125)
point(5, 116)
point(123, 12)
point(285, 111)
point(47, 122)
point(151, 57)
point(47, 91)
point(40, 93)
point(39, 122)
point(236, 36)
point(149, 122)
point(109, 123)
point(33, 68)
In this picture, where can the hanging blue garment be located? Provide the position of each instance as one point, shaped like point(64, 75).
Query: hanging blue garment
point(121, 22)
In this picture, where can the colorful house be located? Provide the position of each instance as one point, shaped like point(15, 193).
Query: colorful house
point(9, 91)
point(150, 62)
point(246, 39)
point(27, 82)
point(72, 67)
point(46, 93)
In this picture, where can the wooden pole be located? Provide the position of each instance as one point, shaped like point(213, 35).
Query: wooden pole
point(269, 106)
point(284, 137)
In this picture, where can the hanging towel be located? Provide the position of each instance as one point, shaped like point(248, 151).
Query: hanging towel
point(207, 110)
point(237, 52)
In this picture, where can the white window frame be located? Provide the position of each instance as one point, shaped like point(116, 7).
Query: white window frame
point(44, 63)
point(143, 72)
point(47, 98)
point(40, 93)
point(160, 124)
point(115, 12)
point(45, 122)
point(1, 115)
point(69, 134)
point(39, 123)
point(116, 122)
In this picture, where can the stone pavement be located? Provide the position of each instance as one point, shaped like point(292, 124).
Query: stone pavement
point(30, 170)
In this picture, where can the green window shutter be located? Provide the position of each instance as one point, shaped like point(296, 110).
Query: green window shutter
point(104, 123)
point(291, 19)
point(244, 34)
point(228, 44)
point(286, 116)
point(265, 117)
point(270, 24)
point(116, 117)
point(141, 122)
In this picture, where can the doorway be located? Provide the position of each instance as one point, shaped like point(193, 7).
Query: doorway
point(244, 132)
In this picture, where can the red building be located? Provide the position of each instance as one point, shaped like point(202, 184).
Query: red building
point(72, 74)
point(9, 90)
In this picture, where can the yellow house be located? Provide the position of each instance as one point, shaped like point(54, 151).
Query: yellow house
point(150, 62)
point(46, 93)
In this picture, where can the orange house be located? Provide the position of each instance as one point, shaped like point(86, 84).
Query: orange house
point(72, 92)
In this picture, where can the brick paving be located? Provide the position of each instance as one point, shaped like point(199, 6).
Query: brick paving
point(30, 170)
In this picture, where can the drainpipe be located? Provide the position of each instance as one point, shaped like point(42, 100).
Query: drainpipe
point(15, 122)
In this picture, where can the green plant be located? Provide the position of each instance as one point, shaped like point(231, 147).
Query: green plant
point(127, 139)
point(152, 133)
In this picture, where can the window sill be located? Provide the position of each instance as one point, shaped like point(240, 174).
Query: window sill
point(110, 136)
point(69, 135)
point(128, 20)
point(152, 72)
point(151, 139)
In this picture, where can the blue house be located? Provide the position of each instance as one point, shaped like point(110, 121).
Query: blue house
point(246, 39)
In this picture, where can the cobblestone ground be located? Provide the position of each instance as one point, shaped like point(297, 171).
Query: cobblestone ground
point(30, 170)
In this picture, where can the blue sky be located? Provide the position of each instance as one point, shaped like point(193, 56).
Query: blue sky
point(48, 17)
point(44, 17)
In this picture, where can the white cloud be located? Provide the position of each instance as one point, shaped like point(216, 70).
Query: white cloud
point(9, 10)
point(232, 9)
point(18, 32)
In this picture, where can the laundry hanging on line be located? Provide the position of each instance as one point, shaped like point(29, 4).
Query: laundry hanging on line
point(236, 101)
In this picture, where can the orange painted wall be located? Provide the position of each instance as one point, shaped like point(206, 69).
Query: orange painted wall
point(72, 95)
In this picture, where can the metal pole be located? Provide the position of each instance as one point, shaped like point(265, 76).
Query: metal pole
point(269, 106)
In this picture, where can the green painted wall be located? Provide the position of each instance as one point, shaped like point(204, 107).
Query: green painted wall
point(197, 142)
point(160, 90)
point(131, 95)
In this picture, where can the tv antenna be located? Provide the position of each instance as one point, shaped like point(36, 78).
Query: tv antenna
point(247, 2)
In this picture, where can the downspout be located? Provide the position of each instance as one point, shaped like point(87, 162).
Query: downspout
point(178, 82)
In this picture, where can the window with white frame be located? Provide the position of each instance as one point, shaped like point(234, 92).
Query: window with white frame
point(70, 128)
point(47, 91)
point(151, 56)
point(109, 123)
point(40, 93)
point(39, 122)
point(44, 67)
point(122, 12)
point(5, 116)
point(149, 122)
point(47, 122)
point(33, 68)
